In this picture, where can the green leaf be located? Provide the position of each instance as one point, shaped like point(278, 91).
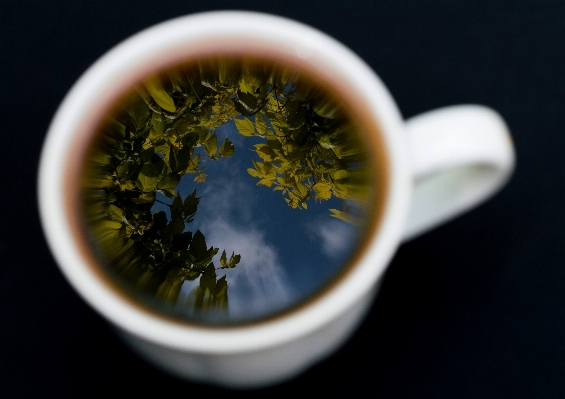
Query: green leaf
point(190, 139)
point(268, 168)
point(248, 99)
point(296, 117)
point(253, 172)
point(151, 170)
point(193, 164)
point(323, 190)
point(116, 129)
point(146, 154)
point(265, 182)
point(139, 112)
point(176, 207)
point(168, 182)
point(162, 146)
point(227, 148)
point(172, 229)
point(265, 152)
point(159, 220)
point(198, 249)
point(183, 159)
point(172, 158)
point(181, 241)
point(178, 160)
point(245, 86)
point(101, 158)
point(326, 109)
point(217, 108)
point(211, 145)
point(169, 193)
point(178, 81)
point(201, 178)
point(192, 275)
point(273, 141)
point(325, 142)
point(302, 189)
point(191, 203)
point(145, 198)
point(208, 279)
point(202, 134)
point(191, 198)
point(128, 169)
point(221, 294)
point(261, 124)
point(341, 174)
point(234, 260)
point(147, 183)
point(345, 216)
point(170, 288)
point(196, 298)
point(115, 213)
point(110, 225)
point(158, 126)
point(259, 166)
point(161, 97)
point(245, 127)
point(241, 110)
point(224, 259)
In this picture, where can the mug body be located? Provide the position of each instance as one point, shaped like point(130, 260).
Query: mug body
point(252, 354)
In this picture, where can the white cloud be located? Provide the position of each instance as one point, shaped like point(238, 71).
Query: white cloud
point(336, 236)
point(258, 283)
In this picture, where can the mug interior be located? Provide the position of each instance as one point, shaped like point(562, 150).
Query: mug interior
point(199, 37)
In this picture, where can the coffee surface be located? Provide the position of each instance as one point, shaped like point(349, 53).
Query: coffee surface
point(226, 190)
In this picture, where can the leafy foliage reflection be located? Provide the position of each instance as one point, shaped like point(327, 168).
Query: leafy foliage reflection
point(307, 149)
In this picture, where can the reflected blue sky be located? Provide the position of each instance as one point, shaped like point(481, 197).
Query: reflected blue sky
point(286, 254)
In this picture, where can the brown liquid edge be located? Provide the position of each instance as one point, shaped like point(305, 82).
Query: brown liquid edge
point(378, 159)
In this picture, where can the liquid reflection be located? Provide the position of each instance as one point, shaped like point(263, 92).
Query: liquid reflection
point(226, 175)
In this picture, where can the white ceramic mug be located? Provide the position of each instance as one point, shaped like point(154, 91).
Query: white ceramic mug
point(438, 165)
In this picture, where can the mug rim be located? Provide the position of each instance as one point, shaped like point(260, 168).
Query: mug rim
point(156, 46)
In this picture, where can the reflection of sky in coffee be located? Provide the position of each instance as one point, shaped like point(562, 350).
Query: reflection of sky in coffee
point(210, 189)
point(286, 254)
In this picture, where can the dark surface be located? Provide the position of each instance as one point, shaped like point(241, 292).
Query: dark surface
point(474, 309)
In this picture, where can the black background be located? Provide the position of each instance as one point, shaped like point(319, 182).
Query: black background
point(474, 309)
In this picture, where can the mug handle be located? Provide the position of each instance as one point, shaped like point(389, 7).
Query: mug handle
point(460, 155)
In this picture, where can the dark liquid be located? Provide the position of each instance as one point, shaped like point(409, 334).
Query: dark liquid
point(227, 190)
